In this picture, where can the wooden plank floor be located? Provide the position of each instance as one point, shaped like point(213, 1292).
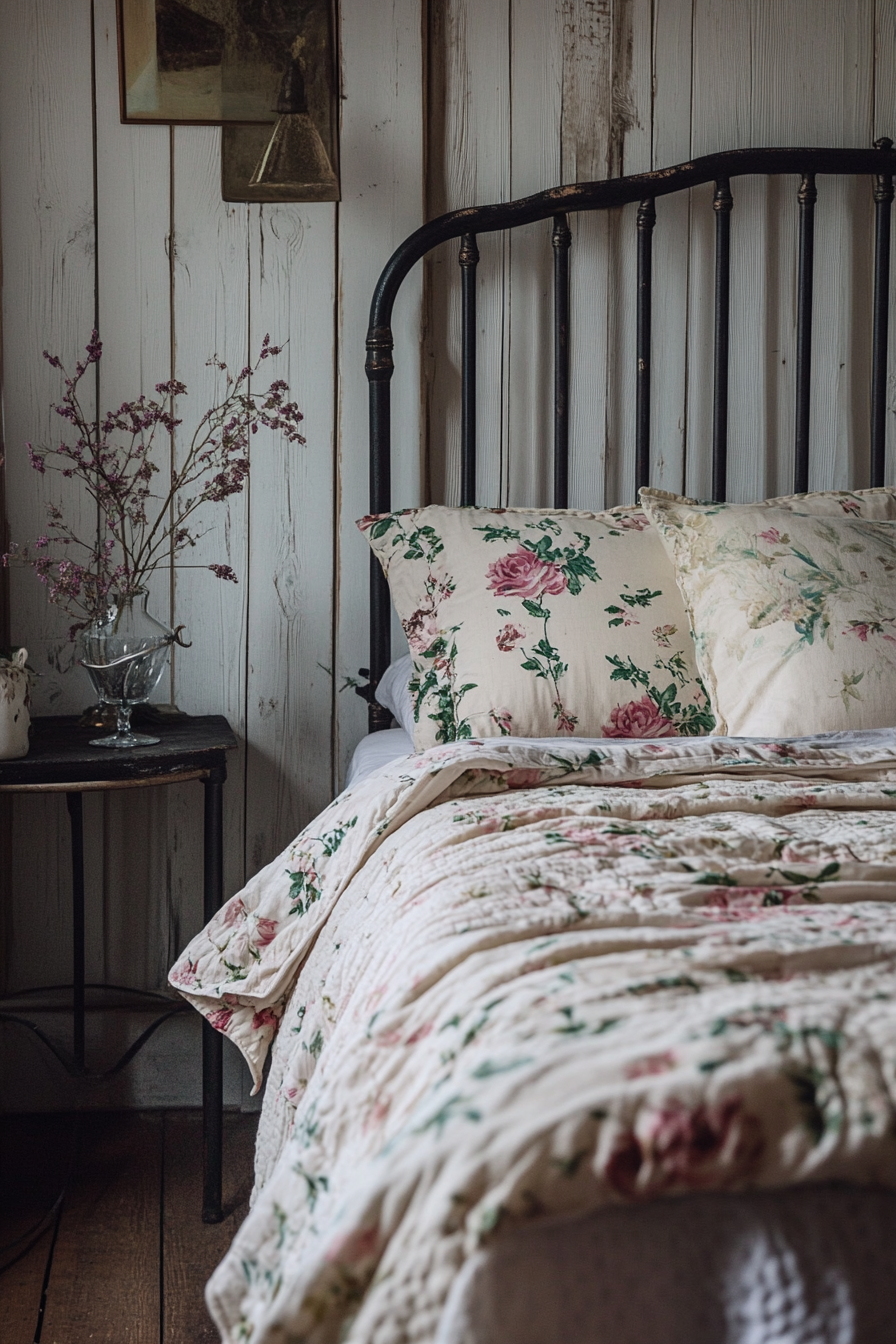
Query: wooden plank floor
point(126, 1259)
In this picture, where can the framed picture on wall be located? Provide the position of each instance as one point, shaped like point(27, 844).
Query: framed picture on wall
point(216, 62)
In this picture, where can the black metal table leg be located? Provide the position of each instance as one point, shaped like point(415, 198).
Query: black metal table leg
point(212, 1041)
point(76, 817)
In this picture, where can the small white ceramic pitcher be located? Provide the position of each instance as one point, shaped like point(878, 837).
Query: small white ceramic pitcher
point(14, 716)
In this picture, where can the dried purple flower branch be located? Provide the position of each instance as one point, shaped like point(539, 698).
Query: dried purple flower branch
point(139, 531)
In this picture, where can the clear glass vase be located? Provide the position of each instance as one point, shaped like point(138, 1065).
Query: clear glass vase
point(123, 651)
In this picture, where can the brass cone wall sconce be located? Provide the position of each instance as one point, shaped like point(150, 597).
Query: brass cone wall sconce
point(295, 158)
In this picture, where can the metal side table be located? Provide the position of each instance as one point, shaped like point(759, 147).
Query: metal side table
point(61, 761)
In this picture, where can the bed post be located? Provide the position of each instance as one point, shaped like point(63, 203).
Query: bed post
point(883, 201)
point(379, 368)
point(722, 203)
point(807, 196)
point(645, 222)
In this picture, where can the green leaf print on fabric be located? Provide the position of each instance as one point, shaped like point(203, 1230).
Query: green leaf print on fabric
point(537, 570)
point(659, 713)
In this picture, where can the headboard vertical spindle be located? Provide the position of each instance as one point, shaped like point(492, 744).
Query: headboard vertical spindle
point(561, 239)
point(807, 196)
point(883, 201)
point(645, 222)
point(722, 203)
point(468, 260)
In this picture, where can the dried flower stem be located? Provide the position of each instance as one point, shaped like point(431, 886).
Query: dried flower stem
point(112, 457)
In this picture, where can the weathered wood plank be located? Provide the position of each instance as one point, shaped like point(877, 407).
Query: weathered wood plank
point(210, 315)
point(470, 143)
point(382, 201)
point(48, 292)
point(133, 300)
point(774, 96)
point(789, 47)
point(884, 124)
point(535, 108)
point(191, 1249)
point(672, 93)
point(584, 139)
point(48, 297)
point(720, 119)
point(291, 509)
point(104, 1283)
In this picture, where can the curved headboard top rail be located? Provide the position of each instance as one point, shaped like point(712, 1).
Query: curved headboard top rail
point(611, 192)
point(878, 163)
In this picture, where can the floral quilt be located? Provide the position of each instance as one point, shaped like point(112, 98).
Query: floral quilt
point(517, 980)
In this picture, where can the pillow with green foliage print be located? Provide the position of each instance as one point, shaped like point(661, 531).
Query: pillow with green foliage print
point(539, 623)
point(794, 613)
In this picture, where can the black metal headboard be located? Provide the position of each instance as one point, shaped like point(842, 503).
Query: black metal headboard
point(878, 163)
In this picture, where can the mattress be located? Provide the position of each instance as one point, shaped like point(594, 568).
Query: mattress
point(807, 1266)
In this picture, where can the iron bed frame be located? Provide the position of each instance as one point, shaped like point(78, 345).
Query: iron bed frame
point(644, 188)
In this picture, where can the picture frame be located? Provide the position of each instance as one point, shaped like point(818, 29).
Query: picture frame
point(213, 62)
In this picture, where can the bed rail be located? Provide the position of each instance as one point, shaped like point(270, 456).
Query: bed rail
point(645, 189)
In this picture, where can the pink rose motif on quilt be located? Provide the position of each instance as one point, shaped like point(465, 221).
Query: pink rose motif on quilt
point(265, 931)
point(639, 718)
point(704, 1147)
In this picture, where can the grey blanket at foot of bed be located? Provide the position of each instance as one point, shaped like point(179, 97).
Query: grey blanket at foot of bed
point(799, 1266)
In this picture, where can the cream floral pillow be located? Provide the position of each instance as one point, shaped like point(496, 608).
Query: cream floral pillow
point(539, 623)
point(794, 613)
point(879, 502)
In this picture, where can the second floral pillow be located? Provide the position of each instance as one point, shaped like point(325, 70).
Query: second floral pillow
point(539, 623)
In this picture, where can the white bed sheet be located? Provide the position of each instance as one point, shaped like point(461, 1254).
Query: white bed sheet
point(376, 750)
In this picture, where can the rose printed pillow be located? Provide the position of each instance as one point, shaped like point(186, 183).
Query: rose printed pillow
point(539, 623)
point(794, 614)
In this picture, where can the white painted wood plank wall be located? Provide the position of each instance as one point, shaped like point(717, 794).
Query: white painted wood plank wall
point(445, 103)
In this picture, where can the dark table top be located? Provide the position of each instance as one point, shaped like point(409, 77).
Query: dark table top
point(60, 753)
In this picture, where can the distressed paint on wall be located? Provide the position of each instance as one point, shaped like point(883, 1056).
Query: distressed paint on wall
point(446, 103)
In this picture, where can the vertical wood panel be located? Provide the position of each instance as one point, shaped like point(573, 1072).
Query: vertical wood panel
point(382, 201)
point(46, 162)
point(778, 95)
point(210, 316)
point(671, 84)
point(628, 151)
point(133, 302)
point(47, 228)
point(289, 686)
point(884, 123)
point(790, 47)
point(587, 99)
point(535, 88)
point(470, 157)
